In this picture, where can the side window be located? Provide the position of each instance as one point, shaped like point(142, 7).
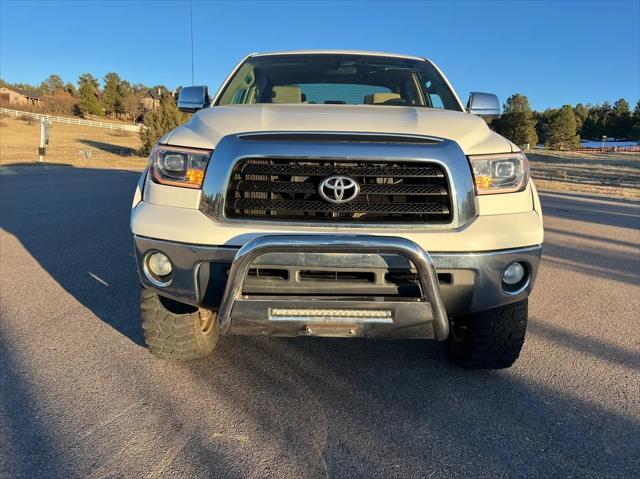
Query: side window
point(436, 101)
point(241, 83)
point(409, 91)
point(238, 96)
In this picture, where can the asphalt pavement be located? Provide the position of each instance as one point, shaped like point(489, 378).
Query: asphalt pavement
point(81, 397)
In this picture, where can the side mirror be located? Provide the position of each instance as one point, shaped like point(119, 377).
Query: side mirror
point(193, 98)
point(485, 105)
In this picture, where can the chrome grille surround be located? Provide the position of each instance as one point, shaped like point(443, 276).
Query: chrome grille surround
point(443, 154)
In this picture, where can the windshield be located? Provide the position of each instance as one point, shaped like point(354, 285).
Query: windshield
point(338, 79)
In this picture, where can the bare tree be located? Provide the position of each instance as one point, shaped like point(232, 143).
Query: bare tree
point(133, 105)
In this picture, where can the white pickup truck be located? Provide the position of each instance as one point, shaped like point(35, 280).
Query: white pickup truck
point(340, 194)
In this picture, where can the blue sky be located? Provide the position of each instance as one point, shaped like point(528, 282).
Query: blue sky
point(553, 52)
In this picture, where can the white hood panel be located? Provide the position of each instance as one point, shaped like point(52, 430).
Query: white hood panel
point(208, 126)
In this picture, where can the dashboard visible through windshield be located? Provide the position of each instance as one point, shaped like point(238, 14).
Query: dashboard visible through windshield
point(338, 79)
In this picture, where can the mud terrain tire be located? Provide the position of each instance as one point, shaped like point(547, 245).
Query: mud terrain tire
point(177, 331)
point(489, 339)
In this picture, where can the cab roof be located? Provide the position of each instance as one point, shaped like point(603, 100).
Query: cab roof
point(337, 52)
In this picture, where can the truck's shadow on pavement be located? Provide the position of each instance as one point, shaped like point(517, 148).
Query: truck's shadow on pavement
point(75, 223)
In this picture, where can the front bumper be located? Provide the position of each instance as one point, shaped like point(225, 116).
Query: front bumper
point(445, 284)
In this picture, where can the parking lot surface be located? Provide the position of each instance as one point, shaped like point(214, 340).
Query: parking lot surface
point(81, 397)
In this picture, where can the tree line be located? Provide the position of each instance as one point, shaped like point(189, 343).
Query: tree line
point(562, 128)
point(117, 98)
point(556, 128)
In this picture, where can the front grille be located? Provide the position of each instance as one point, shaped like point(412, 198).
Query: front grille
point(390, 191)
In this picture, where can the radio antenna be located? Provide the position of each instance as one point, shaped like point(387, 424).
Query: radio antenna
point(193, 76)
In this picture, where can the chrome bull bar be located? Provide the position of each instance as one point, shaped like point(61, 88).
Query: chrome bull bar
point(364, 244)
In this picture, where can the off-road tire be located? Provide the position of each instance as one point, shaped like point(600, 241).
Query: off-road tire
point(490, 339)
point(176, 331)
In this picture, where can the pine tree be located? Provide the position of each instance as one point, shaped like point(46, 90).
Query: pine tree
point(517, 122)
point(544, 125)
point(110, 96)
point(621, 121)
point(88, 95)
point(590, 128)
point(604, 119)
point(581, 113)
point(562, 131)
point(159, 122)
point(635, 129)
point(124, 90)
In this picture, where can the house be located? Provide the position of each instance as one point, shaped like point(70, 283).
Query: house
point(151, 100)
point(15, 96)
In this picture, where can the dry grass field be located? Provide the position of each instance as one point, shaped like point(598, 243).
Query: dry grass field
point(615, 174)
point(69, 144)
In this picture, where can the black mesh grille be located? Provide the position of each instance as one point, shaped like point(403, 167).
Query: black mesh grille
point(396, 192)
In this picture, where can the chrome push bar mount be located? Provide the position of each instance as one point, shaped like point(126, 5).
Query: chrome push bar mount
point(234, 302)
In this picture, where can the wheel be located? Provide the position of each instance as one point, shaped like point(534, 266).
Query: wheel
point(489, 339)
point(174, 330)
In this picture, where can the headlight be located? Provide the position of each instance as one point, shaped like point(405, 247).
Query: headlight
point(177, 166)
point(504, 173)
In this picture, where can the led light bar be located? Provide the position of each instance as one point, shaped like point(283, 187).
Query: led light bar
point(331, 315)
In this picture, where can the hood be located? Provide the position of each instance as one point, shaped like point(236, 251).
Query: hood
point(208, 126)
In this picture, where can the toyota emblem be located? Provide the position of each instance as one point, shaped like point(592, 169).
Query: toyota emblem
point(339, 189)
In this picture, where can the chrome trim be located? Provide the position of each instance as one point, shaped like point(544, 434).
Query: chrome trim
point(193, 98)
point(447, 154)
point(484, 105)
point(336, 184)
point(335, 244)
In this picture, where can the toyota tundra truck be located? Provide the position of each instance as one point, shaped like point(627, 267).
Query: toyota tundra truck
point(337, 194)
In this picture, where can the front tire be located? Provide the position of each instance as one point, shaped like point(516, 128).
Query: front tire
point(489, 339)
point(177, 331)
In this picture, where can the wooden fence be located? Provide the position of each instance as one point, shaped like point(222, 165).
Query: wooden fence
point(71, 121)
point(607, 149)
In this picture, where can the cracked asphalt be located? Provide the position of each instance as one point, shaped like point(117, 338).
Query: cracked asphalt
point(80, 396)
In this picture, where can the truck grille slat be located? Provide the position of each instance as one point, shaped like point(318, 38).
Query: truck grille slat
point(390, 191)
point(371, 189)
point(328, 170)
point(324, 207)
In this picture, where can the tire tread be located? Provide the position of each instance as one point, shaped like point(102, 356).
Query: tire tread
point(173, 336)
point(494, 338)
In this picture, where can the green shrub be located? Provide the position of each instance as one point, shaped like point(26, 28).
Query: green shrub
point(160, 122)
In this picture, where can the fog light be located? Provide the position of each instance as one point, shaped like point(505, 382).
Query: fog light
point(159, 265)
point(513, 274)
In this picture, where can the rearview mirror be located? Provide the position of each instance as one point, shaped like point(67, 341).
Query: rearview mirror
point(485, 105)
point(193, 98)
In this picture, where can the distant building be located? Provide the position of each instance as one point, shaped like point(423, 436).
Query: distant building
point(15, 96)
point(151, 100)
